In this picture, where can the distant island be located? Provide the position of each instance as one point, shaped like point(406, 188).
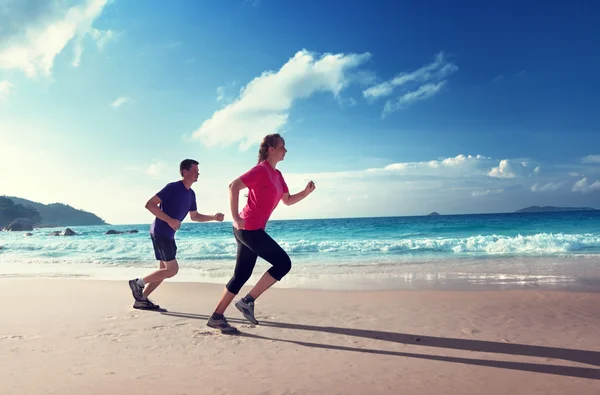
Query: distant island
point(44, 215)
point(538, 209)
point(434, 214)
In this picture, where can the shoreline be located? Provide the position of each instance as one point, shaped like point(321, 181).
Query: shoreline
point(359, 284)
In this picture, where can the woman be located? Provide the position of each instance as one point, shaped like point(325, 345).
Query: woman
point(266, 188)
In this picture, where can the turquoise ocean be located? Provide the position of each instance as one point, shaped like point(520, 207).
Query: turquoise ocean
point(560, 249)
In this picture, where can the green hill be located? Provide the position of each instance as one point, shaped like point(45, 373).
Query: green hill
point(58, 214)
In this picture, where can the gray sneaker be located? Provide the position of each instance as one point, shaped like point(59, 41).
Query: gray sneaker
point(137, 290)
point(146, 305)
point(221, 324)
point(247, 309)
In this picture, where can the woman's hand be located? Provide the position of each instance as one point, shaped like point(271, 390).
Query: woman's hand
point(310, 187)
point(239, 223)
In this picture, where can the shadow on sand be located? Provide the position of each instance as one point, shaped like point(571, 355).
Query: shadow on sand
point(580, 356)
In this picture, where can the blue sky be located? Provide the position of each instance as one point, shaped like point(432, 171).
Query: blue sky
point(392, 108)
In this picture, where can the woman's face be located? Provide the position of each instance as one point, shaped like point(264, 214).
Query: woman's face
point(278, 153)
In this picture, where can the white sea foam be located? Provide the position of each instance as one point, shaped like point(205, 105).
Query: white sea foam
point(124, 250)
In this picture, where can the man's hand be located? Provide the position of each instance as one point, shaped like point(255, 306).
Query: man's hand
point(219, 217)
point(173, 223)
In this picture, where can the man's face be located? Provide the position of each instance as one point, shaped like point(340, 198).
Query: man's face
point(191, 174)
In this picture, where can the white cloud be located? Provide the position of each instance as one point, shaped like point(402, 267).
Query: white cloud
point(102, 37)
point(591, 159)
point(487, 192)
point(384, 89)
point(224, 92)
point(504, 170)
point(464, 166)
point(418, 85)
point(220, 93)
point(583, 186)
point(263, 105)
point(460, 166)
point(5, 89)
point(349, 102)
point(156, 169)
point(33, 47)
point(513, 168)
point(120, 101)
point(424, 92)
point(550, 186)
point(575, 174)
point(460, 162)
point(436, 71)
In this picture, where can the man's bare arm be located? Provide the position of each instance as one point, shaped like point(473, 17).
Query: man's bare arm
point(197, 217)
point(152, 206)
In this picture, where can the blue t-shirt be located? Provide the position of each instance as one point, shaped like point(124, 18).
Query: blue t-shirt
point(177, 201)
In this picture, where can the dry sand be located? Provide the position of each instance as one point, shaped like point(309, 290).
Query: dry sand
point(82, 337)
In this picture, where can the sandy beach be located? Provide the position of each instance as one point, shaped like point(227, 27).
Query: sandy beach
point(62, 336)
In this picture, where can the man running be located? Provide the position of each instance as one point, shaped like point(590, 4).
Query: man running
point(170, 206)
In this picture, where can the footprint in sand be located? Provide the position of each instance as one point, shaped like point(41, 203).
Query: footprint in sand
point(213, 332)
point(17, 337)
point(161, 327)
point(110, 317)
point(247, 326)
point(106, 336)
point(470, 331)
point(12, 337)
point(205, 332)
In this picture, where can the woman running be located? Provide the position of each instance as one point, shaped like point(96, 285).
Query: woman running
point(266, 188)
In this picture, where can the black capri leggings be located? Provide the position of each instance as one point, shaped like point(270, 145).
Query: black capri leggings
point(250, 245)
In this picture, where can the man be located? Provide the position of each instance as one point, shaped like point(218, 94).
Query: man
point(170, 206)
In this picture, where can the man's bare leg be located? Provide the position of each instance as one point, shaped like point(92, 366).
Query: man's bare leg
point(137, 286)
point(153, 285)
point(169, 270)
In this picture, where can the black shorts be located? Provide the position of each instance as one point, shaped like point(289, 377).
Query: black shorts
point(165, 249)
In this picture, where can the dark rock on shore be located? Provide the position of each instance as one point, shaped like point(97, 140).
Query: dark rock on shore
point(19, 225)
point(66, 232)
point(118, 232)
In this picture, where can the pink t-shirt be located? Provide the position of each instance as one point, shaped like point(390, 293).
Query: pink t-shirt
point(266, 186)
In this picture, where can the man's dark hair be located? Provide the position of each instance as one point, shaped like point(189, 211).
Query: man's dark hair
point(186, 164)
